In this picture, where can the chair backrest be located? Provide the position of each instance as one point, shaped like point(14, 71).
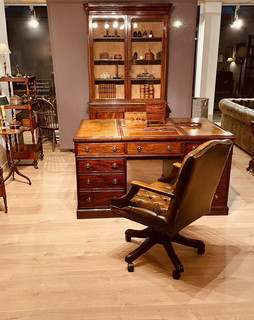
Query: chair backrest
point(197, 182)
point(47, 114)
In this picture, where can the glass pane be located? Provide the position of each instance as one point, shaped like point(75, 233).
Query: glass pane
point(146, 51)
point(108, 45)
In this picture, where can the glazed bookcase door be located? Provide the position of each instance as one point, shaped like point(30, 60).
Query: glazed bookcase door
point(148, 55)
point(107, 57)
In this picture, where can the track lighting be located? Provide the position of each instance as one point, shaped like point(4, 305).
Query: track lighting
point(237, 23)
point(33, 22)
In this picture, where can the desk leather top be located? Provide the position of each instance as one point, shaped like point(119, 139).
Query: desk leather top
point(174, 129)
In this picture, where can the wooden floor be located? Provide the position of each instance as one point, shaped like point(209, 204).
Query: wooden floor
point(55, 267)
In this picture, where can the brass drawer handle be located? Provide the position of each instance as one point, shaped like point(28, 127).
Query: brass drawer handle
point(88, 181)
point(89, 199)
point(169, 148)
point(139, 149)
point(87, 149)
point(115, 181)
point(88, 165)
point(216, 197)
point(194, 147)
point(114, 165)
point(114, 148)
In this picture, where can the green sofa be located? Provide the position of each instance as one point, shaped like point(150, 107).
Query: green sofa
point(237, 115)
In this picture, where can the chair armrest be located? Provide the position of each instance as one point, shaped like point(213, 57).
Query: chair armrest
point(135, 186)
point(123, 201)
point(173, 174)
point(145, 186)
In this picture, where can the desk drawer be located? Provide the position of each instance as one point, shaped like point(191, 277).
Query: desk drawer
point(94, 199)
point(155, 148)
point(90, 148)
point(100, 165)
point(191, 146)
point(106, 180)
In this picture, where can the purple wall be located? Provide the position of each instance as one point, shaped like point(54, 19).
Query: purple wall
point(68, 32)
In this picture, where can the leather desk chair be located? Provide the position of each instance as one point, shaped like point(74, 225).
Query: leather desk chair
point(2, 189)
point(172, 203)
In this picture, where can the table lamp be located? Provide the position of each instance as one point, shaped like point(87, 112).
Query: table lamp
point(4, 49)
point(3, 102)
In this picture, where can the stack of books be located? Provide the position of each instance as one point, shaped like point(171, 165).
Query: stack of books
point(146, 91)
point(107, 90)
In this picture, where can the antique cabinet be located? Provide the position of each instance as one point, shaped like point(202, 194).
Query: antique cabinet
point(127, 57)
point(33, 149)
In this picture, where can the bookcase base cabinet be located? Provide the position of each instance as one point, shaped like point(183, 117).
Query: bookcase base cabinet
point(111, 111)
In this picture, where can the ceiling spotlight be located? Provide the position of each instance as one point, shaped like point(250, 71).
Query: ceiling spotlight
point(177, 24)
point(237, 23)
point(33, 22)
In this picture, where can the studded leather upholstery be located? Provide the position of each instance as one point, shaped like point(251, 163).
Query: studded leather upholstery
point(169, 207)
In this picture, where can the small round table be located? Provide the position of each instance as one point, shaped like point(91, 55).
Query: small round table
point(7, 133)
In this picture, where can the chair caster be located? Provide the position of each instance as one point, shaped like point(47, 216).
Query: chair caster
point(201, 250)
point(130, 267)
point(176, 275)
point(127, 238)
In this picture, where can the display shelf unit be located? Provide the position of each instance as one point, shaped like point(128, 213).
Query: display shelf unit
point(21, 150)
point(128, 46)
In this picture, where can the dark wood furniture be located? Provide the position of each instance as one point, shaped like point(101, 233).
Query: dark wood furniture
point(170, 204)
point(250, 168)
point(248, 84)
point(8, 133)
point(48, 121)
point(3, 191)
point(127, 57)
point(102, 148)
point(26, 150)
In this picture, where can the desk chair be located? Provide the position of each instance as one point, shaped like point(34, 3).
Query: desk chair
point(2, 189)
point(48, 120)
point(172, 203)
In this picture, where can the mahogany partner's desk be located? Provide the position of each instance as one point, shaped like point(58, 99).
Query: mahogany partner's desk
point(102, 148)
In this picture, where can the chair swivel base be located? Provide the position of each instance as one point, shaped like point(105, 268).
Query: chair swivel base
point(155, 237)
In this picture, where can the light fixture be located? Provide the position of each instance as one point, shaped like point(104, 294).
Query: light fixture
point(237, 23)
point(4, 49)
point(121, 26)
point(230, 59)
point(115, 26)
point(135, 25)
point(106, 27)
point(33, 22)
point(95, 25)
point(177, 24)
point(241, 54)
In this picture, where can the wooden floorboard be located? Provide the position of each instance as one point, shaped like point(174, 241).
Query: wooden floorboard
point(55, 267)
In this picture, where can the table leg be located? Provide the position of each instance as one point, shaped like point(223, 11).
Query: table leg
point(13, 168)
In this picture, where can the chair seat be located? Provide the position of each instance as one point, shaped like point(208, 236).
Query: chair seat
point(148, 207)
